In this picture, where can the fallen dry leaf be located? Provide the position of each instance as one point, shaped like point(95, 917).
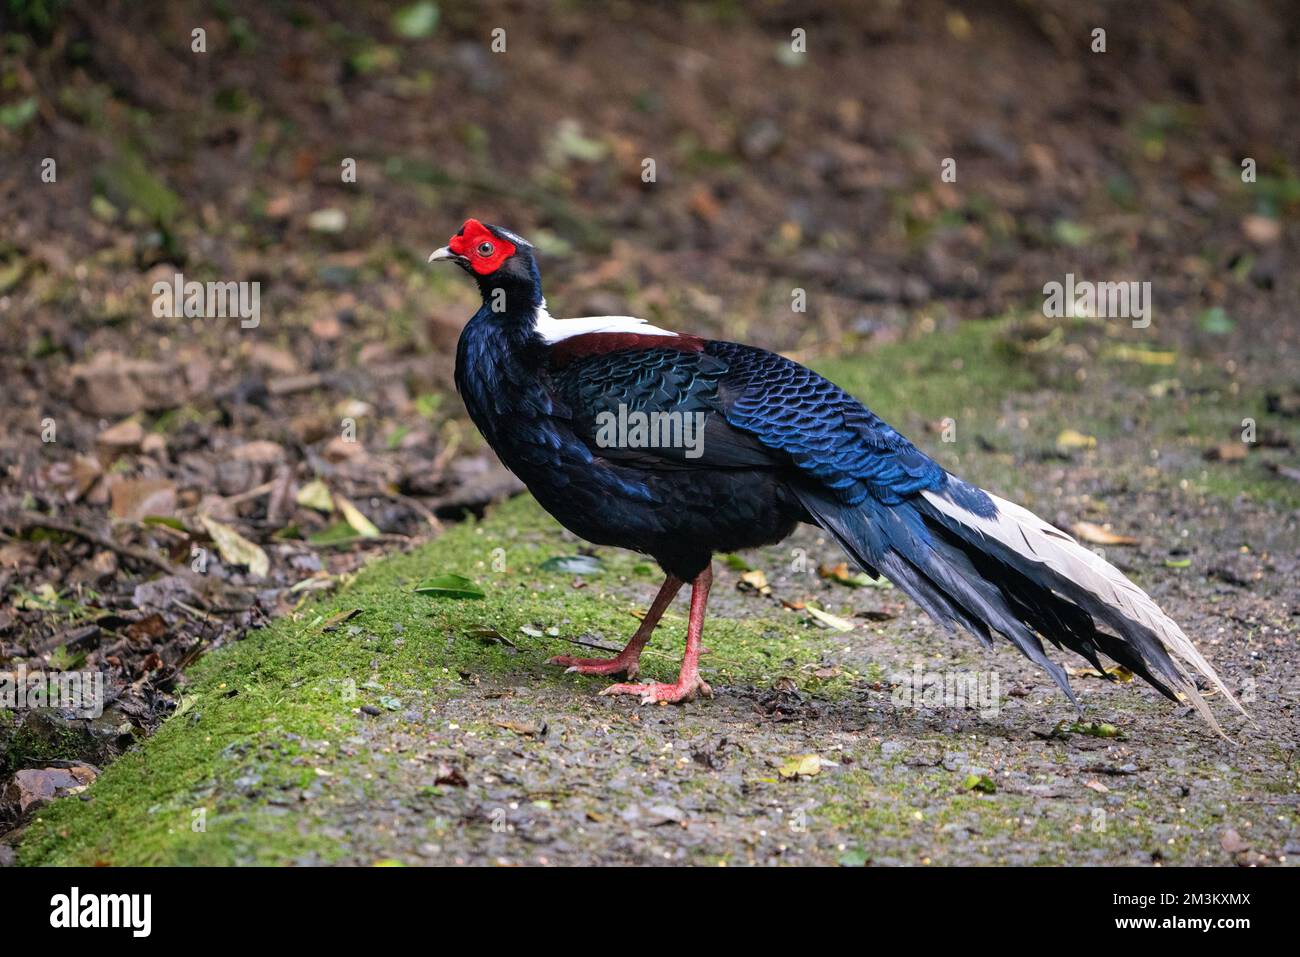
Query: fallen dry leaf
point(339, 449)
point(363, 526)
point(316, 495)
point(148, 628)
point(834, 622)
point(1069, 440)
point(123, 437)
point(1227, 452)
point(840, 573)
point(801, 765)
point(527, 729)
point(1099, 535)
point(1146, 357)
point(1118, 672)
point(134, 499)
point(236, 549)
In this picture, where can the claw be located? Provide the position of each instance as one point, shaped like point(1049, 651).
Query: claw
point(655, 692)
point(618, 665)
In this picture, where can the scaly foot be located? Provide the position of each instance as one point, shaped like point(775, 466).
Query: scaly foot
point(622, 664)
point(655, 692)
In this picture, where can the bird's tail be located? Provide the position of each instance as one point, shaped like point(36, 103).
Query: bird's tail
point(975, 560)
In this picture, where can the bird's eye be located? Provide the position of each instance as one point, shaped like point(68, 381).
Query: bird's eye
point(485, 249)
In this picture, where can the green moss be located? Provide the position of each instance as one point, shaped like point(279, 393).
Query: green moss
point(264, 720)
point(129, 182)
point(963, 373)
point(981, 376)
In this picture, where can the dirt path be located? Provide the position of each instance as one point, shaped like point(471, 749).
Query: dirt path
point(425, 730)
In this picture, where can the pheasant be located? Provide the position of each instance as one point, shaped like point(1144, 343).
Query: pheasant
point(678, 447)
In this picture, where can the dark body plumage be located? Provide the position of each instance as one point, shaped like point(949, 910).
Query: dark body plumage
point(782, 445)
point(775, 433)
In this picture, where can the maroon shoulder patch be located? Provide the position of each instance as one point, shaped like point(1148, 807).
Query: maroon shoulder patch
point(599, 343)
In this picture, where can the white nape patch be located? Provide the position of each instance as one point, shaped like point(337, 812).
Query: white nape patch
point(554, 330)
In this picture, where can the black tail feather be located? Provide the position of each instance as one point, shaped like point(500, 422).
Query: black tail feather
point(960, 577)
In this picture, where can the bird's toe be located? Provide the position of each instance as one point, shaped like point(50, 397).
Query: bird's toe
point(596, 666)
point(655, 692)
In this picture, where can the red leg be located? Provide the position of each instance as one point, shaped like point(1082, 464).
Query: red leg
point(626, 662)
point(689, 683)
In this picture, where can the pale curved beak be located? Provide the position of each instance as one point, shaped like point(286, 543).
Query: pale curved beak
point(443, 253)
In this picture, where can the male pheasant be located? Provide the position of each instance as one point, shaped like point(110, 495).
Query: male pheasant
point(678, 447)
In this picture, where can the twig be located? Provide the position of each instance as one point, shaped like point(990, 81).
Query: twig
point(591, 644)
point(357, 540)
point(252, 493)
point(588, 644)
point(417, 506)
point(29, 520)
point(449, 448)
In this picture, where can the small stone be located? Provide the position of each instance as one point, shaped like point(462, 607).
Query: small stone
point(329, 220)
point(1231, 841)
point(124, 437)
point(327, 327)
point(1261, 230)
point(153, 444)
point(31, 788)
point(760, 139)
point(658, 814)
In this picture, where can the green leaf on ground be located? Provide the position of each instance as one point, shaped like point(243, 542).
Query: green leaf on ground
point(14, 116)
point(333, 535)
point(449, 586)
point(803, 766)
point(573, 565)
point(854, 857)
point(129, 182)
point(1216, 321)
point(417, 20)
point(1093, 729)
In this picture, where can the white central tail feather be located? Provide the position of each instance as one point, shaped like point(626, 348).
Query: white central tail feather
point(1024, 533)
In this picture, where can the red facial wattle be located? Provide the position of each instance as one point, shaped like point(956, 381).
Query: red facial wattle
point(485, 251)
